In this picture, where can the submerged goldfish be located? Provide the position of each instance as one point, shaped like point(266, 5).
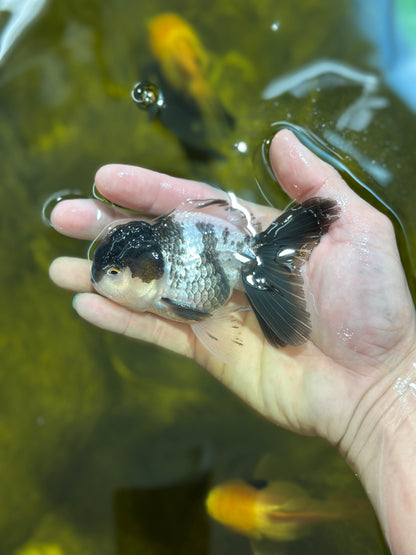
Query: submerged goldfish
point(182, 59)
point(185, 266)
point(278, 511)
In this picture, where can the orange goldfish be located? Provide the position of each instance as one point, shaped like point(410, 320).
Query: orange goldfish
point(278, 511)
point(182, 58)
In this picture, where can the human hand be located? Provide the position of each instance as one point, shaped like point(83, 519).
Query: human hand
point(353, 383)
point(362, 314)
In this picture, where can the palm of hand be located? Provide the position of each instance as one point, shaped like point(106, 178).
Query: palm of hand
point(362, 314)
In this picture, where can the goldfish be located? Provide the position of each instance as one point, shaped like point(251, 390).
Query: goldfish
point(184, 266)
point(277, 511)
point(182, 59)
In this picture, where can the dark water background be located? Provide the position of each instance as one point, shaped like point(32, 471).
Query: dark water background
point(109, 446)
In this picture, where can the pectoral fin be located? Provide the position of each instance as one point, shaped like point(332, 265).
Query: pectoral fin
point(186, 311)
point(222, 334)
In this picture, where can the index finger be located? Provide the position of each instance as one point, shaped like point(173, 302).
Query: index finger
point(131, 187)
point(158, 193)
point(136, 189)
point(153, 192)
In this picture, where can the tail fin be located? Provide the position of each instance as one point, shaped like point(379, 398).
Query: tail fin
point(273, 282)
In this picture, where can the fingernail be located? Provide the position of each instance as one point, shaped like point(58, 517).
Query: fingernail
point(74, 301)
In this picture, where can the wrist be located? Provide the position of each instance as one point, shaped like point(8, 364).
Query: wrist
point(380, 445)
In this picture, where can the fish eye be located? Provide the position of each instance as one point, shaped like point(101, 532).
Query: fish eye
point(112, 271)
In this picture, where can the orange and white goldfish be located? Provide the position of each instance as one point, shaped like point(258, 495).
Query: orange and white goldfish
point(181, 58)
point(278, 511)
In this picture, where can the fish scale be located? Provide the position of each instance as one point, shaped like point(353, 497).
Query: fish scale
point(192, 251)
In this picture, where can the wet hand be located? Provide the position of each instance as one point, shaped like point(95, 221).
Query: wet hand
point(362, 314)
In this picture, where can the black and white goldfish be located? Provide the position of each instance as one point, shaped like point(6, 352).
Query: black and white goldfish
point(185, 265)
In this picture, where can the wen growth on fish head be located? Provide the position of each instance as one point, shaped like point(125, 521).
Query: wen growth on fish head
point(128, 266)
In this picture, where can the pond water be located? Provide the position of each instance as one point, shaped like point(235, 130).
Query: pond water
point(109, 446)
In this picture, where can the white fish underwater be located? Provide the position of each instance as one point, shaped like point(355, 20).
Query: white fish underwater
point(184, 266)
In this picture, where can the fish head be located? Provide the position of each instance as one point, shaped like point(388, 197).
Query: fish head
point(128, 266)
point(234, 504)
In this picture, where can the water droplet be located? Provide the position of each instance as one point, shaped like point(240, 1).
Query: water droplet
point(94, 244)
point(54, 199)
point(147, 96)
point(241, 146)
point(275, 26)
point(97, 195)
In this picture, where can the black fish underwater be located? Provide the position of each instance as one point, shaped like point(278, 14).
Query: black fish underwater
point(184, 266)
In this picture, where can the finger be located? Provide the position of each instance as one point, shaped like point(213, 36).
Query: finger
point(157, 193)
point(149, 191)
point(71, 273)
point(302, 174)
point(110, 316)
point(85, 218)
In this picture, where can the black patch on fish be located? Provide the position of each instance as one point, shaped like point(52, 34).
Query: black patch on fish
point(170, 234)
point(147, 266)
point(225, 235)
point(203, 282)
point(209, 257)
point(273, 282)
point(130, 245)
point(186, 311)
point(167, 229)
point(208, 234)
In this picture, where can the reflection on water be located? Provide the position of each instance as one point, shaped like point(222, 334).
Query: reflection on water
point(53, 200)
point(85, 415)
point(392, 32)
point(335, 154)
point(21, 13)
